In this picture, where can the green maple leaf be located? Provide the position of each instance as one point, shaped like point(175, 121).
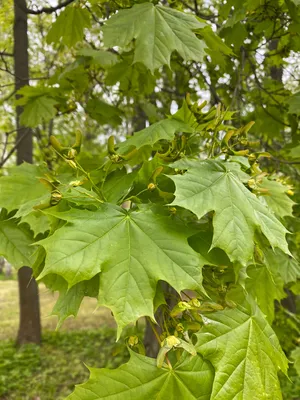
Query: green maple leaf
point(99, 57)
point(286, 266)
point(69, 301)
point(190, 379)
point(295, 152)
point(38, 222)
point(295, 356)
point(158, 32)
point(38, 110)
point(133, 251)
point(162, 130)
point(245, 353)
point(216, 186)
point(118, 184)
point(69, 26)
point(103, 113)
point(294, 100)
point(15, 244)
point(21, 189)
point(265, 287)
point(276, 197)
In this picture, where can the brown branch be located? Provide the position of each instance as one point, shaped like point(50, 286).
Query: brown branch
point(10, 153)
point(49, 10)
point(5, 54)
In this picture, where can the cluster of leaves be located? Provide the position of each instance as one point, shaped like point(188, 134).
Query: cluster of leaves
point(209, 223)
point(184, 201)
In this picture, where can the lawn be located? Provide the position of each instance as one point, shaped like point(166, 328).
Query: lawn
point(89, 316)
point(49, 372)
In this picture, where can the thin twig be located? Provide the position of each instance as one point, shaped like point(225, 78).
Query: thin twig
point(19, 141)
point(49, 10)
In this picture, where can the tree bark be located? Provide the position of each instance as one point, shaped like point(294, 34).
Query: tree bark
point(30, 323)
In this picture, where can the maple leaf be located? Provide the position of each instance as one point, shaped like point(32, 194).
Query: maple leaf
point(276, 197)
point(69, 26)
point(162, 130)
point(190, 379)
point(21, 189)
point(15, 243)
point(133, 251)
point(245, 353)
point(158, 32)
point(215, 186)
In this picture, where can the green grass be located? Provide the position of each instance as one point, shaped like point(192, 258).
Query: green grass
point(89, 316)
point(49, 372)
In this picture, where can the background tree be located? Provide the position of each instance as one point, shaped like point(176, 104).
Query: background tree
point(242, 57)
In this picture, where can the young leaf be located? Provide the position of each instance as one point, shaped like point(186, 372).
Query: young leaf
point(38, 110)
point(265, 288)
point(214, 186)
point(15, 244)
point(22, 190)
point(245, 353)
point(69, 301)
point(69, 26)
point(158, 32)
point(164, 129)
point(279, 262)
point(133, 251)
point(190, 379)
point(103, 113)
point(277, 198)
point(99, 57)
point(38, 222)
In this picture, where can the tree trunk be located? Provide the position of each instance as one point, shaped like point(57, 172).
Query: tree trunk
point(30, 324)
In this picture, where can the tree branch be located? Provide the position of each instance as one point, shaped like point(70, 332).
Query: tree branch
point(5, 54)
point(49, 10)
point(19, 141)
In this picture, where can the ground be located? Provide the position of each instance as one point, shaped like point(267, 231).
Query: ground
point(50, 372)
point(89, 316)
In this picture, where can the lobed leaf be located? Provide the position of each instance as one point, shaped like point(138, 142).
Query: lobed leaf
point(133, 251)
point(215, 186)
point(190, 379)
point(158, 32)
point(245, 353)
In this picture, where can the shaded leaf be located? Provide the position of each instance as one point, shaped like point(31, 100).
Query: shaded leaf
point(265, 288)
point(103, 113)
point(162, 130)
point(69, 26)
point(15, 244)
point(38, 110)
point(22, 190)
point(158, 32)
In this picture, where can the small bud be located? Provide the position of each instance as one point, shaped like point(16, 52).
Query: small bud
point(115, 158)
point(72, 163)
point(56, 196)
point(151, 187)
point(252, 183)
point(133, 341)
point(72, 153)
point(195, 302)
